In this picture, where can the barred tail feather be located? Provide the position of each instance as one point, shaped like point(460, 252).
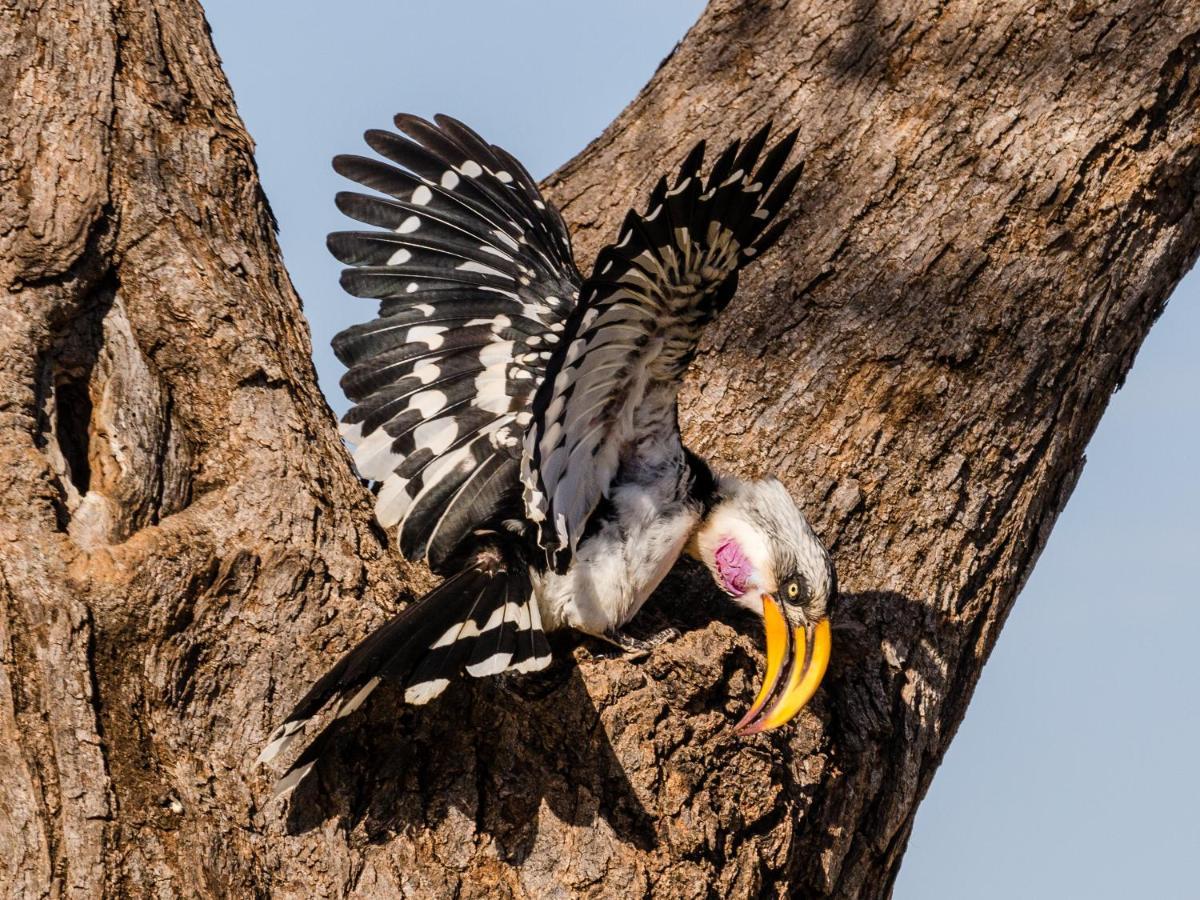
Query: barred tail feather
point(346, 680)
point(484, 620)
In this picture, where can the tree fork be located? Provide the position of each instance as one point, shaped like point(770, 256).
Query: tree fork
point(998, 199)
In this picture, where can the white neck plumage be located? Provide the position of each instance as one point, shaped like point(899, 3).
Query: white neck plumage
point(733, 548)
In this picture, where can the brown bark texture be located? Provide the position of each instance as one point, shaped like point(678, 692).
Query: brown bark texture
point(999, 197)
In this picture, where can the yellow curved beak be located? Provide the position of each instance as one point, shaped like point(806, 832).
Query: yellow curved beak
point(805, 669)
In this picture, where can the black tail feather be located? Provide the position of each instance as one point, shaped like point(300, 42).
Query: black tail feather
point(482, 619)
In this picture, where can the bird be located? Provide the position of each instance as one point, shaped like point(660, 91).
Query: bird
point(520, 422)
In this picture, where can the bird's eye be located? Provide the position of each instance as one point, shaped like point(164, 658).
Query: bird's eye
point(795, 590)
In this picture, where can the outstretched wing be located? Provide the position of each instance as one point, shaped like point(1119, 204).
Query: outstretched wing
point(476, 278)
point(636, 327)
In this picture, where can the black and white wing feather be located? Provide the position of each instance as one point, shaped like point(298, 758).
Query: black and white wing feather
point(476, 278)
point(635, 330)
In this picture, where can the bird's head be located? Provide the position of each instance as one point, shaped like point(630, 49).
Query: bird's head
point(763, 553)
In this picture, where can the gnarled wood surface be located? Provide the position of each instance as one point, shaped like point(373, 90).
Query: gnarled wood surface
point(999, 197)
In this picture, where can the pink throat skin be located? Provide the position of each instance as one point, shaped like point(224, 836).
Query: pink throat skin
point(733, 567)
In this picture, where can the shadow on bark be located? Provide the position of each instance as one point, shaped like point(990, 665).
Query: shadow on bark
point(488, 751)
point(517, 741)
point(492, 751)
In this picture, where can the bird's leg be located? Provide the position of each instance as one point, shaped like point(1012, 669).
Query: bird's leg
point(635, 647)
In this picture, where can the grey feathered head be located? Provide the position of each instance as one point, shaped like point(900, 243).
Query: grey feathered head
point(761, 551)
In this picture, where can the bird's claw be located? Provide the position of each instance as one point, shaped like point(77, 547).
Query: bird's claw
point(635, 647)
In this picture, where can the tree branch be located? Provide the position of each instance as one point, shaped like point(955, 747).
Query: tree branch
point(998, 199)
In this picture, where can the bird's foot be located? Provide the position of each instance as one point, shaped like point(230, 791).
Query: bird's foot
point(635, 647)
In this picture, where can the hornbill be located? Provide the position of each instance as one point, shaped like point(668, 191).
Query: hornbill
point(521, 420)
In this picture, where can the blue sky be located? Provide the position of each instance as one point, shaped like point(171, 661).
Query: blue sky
point(1073, 774)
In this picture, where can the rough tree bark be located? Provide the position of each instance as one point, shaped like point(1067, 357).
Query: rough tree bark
point(999, 197)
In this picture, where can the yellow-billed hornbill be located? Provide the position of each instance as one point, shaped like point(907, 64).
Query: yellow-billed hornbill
point(521, 420)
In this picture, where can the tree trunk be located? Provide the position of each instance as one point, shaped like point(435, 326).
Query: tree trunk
point(999, 197)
